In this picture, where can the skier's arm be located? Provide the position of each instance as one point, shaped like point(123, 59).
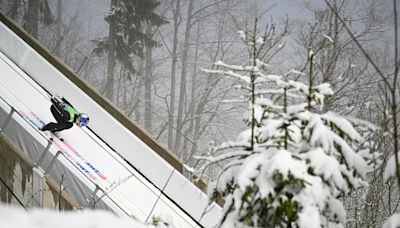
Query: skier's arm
point(59, 105)
point(56, 104)
point(67, 102)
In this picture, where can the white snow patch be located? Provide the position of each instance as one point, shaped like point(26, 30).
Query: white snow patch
point(390, 169)
point(260, 64)
point(296, 72)
point(326, 166)
point(392, 222)
point(42, 218)
point(260, 40)
point(309, 217)
point(242, 35)
point(233, 67)
point(343, 124)
point(328, 38)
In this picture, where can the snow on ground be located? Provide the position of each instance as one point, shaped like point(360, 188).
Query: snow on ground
point(392, 222)
point(13, 217)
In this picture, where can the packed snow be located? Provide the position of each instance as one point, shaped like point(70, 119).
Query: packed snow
point(392, 222)
point(11, 216)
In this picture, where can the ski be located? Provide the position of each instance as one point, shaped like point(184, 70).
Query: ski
point(85, 161)
point(59, 147)
point(91, 166)
point(61, 139)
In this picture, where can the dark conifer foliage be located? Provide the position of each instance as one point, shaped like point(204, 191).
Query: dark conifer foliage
point(32, 12)
point(129, 19)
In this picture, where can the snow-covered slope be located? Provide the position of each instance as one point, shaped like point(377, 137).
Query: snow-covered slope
point(40, 218)
point(150, 188)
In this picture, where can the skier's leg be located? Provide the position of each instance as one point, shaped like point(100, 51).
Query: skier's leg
point(63, 126)
point(53, 127)
point(60, 125)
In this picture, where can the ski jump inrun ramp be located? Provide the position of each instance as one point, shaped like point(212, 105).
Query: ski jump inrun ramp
point(108, 161)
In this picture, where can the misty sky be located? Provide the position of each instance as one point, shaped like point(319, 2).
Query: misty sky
point(94, 25)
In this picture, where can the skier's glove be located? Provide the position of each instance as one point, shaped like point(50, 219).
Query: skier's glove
point(56, 97)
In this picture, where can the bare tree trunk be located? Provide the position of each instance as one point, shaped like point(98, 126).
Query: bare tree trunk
point(59, 16)
point(394, 108)
point(13, 9)
point(252, 84)
point(197, 125)
point(203, 101)
point(148, 77)
point(32, 18)
point(111, 58)
point(58, 27)
point(192, 96)
point(138, 92)
point(171, 112)
point(197, 115)
point(182, 94)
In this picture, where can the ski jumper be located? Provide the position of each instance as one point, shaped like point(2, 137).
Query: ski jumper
point(64, 113)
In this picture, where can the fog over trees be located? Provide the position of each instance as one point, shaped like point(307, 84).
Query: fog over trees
point(161, 63)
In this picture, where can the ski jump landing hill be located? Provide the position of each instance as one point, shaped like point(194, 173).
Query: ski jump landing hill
point(112, 164)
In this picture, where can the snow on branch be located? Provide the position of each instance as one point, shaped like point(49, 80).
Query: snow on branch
point(233, 101)
point(341, 123)
point(291, 163)
point(242, 35)
point(260, 64)
point(222, 157)
point(233, 67)
point(263, 78)
point(328, 38)
point(259, 40)
point(268, 103)
point(275, 91)
point(324, 89)
point(323, 136)
point(228, 73)
point(293, 71)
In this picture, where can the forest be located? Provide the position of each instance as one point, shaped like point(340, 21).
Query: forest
point(289, 109)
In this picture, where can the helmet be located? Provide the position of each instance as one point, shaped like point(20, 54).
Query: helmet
point(83, 119)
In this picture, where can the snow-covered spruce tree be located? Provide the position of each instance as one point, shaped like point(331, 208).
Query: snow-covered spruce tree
point(292, 165)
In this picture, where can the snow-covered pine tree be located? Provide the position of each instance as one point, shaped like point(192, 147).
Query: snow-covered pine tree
point(292, 165)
